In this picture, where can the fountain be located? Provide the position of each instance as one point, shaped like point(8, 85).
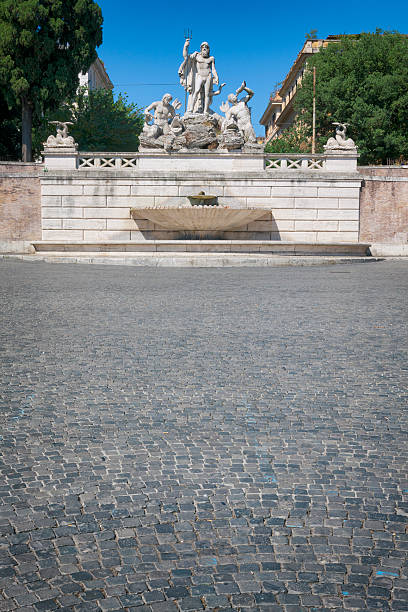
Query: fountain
point(201, 199)
point(202, 218)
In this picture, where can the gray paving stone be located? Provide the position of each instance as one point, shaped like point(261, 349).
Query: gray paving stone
point(188, 439)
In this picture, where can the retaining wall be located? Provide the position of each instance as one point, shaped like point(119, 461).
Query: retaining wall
point(20, 205)
point(303, 207)
point(384, 204)
point(92, 205)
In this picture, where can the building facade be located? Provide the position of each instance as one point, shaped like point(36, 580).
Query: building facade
point(96, 77)
point(280, 113)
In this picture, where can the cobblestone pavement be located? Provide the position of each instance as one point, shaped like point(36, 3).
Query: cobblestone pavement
point(189, 439)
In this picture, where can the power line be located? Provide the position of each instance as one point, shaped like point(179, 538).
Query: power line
point(143, 84)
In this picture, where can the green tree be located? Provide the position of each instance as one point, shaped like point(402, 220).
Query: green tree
point(312, 35)
point(44, 44)
point(295, 139)
point(10, 133)
point(362, 81)
point(101, 123)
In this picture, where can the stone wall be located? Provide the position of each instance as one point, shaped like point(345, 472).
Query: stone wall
point(384, 204)
point(95, 205)
point(20, 205)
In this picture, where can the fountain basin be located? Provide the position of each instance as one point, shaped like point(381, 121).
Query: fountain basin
point(201, 199)
point(199, 218)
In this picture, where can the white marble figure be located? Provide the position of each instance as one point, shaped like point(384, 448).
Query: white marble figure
point(61, 139)
point(164, 114)
point(240, 113)
point(199, 105)
point(340, 141)
point(197, 74)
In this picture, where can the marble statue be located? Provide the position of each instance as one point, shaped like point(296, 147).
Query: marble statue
point(61, 139)
point(199, 105)
point(340, 141)
point(197, 74)
point(239, 113)
point(200, 128)
point(164, 114)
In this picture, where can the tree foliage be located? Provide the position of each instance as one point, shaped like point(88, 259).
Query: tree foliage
point(294, 139)
point(10, 132)
point(44, 44)
point(312, 35)
point(362, 81)
point(101, 122)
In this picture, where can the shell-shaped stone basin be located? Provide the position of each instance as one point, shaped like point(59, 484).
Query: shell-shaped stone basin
point(199, 218)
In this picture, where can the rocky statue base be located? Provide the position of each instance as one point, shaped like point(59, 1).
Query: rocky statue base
point(197, 132)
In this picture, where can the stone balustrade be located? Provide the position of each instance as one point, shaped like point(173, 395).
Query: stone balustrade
point(200, 160)
point(292, 161)
point(107, 161)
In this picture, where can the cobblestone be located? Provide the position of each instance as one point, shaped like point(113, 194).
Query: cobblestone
point(203, 439)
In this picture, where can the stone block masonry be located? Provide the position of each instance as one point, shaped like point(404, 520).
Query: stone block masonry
point(20, 211)
point(299, 206)
point(384, 205)
point(92, 205)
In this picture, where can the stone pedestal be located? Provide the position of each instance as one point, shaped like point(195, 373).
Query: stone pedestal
point(341, 160)
point(61, 157)
point(201, 161)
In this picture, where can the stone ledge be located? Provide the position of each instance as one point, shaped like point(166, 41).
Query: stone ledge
point(384, 179)
point(389, 250)
point(203, 246)
point(197, 260)
point(207, 175)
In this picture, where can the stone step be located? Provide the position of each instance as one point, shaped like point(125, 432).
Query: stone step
point(203, 260)
point(268, 247)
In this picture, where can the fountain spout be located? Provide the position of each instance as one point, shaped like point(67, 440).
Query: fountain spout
point(201, 199)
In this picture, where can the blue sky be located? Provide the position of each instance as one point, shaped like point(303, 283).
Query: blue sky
point(142, 43)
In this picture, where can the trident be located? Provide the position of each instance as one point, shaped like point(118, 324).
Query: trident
point(188, 34)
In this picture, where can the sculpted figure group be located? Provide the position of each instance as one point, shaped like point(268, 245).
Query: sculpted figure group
point(340, 142)
point(201, 127)
point(62, 139)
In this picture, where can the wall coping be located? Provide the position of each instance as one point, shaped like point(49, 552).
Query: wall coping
point(394, 166)
point(204, 175)
point(385, 179)
point(20, 163)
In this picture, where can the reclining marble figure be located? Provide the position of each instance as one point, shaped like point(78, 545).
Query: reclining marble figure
point(239, 113)
point(164, 113)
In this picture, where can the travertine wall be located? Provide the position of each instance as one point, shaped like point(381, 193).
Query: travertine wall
point(95, 205)
point(20, 204)
point(384, 204)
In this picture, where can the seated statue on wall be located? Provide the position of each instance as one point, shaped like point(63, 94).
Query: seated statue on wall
point(238, 119)
point(165, 122)
point(61, 139)
point(340, 141)
point(164, 113)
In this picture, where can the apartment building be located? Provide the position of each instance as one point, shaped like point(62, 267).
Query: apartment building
point(280, 113)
